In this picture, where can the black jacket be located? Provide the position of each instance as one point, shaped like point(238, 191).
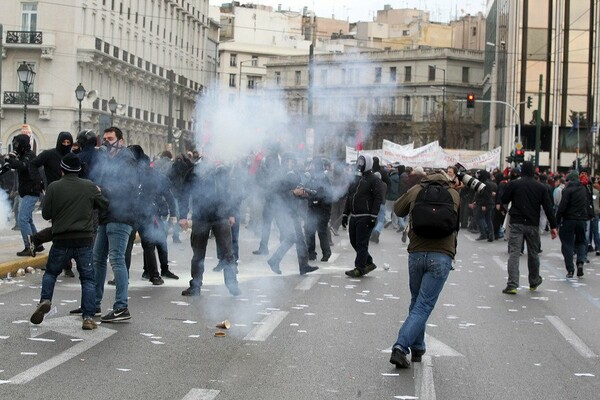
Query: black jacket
point(50, 159)
point(526, 195)
point(30, 181)
point(365, 196)
point(575, 204)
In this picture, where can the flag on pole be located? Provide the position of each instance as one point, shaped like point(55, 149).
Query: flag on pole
point(575, 125)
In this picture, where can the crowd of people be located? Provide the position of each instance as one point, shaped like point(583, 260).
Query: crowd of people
point(101, 196)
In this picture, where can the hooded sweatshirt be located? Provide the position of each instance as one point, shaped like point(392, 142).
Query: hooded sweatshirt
point(30, 182)
point(50, 159)
point(365, 195)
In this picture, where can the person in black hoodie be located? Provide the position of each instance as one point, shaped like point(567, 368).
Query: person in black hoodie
point(574, 210)
point(50, 160)
point(365, 197)
point(319, 209)
point(30, 188)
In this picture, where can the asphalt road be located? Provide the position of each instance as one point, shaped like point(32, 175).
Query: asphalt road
point(319, 336)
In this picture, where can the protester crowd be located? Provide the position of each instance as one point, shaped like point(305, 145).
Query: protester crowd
point(101, 193)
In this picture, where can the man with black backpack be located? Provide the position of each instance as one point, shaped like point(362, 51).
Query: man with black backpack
point(433, 206)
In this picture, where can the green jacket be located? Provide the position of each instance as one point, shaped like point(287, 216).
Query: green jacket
point(69, 203)
point(404, 205)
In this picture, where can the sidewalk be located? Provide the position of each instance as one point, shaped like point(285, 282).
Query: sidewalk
point(12, 242)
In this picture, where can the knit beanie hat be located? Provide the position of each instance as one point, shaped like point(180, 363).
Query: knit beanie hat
point(572, 177)
point(70, 163)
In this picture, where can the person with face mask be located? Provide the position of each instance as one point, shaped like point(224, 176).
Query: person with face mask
point(30, 187)
point(365, 198)
point(50, 160)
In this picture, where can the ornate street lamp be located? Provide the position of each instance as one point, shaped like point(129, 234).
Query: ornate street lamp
point(26, 76)
point(80, 95)
point(112, 106)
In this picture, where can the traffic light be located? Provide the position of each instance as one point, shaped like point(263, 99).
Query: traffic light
point(510, 158)
point(470, 100)
point(529, 99)
point(519, 155)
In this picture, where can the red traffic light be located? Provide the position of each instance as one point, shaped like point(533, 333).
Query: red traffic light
point(519, 152)
point(470, 100)
point(470, 97)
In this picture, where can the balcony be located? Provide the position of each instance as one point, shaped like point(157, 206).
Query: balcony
point(32, 98)
point(23, 37)
point(390, 118)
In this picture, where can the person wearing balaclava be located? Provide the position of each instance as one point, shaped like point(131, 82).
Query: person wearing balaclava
point(30, 188)
point(365, 198)
point(50, 160)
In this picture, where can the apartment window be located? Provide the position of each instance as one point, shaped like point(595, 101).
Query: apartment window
point(28, 16)
point(407, 110)
point(252, 81)
point(277, 78)
point(426, 105)
point(298, 78)
point(407, 74)
point(465, 74)
point(405, 33)
point(431, 75)
point(232, 80)
point(377, 74)
point(392, 74)
point(233, 60)
point(254, 62)
point(377, 106)
point(474, 31)
point(392, 105)
point(324, 77)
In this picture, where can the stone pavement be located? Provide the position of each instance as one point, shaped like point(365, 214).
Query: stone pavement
point(11, 242)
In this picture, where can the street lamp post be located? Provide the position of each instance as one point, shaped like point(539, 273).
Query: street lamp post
point(443, 141)
point(26, 76)
point(240, 80)
point(79, 94)
point(112, 106)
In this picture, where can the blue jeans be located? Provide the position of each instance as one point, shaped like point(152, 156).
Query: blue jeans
point(57, 259)
point(25, 218)
point(380, 220)
point(595, 234)
point(516, 234)
point(111, 243)
point(428, 272)
point(572, 241)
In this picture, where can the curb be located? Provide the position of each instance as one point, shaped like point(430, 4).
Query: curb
point(12, 266)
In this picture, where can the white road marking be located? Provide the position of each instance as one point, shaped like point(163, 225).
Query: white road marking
point(201, 394)
point(424, 384)
point(70, 327)
point(571, 337)
point(262, 331)
point(307, 283)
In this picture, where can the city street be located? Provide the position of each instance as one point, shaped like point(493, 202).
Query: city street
point(318, 336)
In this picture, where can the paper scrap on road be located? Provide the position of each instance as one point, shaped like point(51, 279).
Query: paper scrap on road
point(77, 340)
point(24, 353)
point(123, 369)
point(187, 321)
point(362, 301)
point(406, 397)
point(157, 342)
point(3, 382)
point(484, 307)
point(194, 336)
point(369, 313)
point(20, 321)
point(147, 334)
point(180, 303)
point(4, 337)
point(584, 374)
point(388, 374)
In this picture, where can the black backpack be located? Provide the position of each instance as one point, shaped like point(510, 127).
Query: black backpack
point(433, 214)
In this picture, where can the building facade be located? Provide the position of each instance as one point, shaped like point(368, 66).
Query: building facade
point(153, 57)
point(394, 95)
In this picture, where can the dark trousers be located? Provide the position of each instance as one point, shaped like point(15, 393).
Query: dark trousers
point(267, 219)
point(573, 242)
point(199, 240)
point(235, 240)
point(360, 233)
point(154, 237)
point(486, 227)
point(317, 222)
point(291, 233)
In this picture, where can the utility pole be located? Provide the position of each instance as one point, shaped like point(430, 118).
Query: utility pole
point(171, 77)
point(310, 131)
point(181, 123)
point(538, 126)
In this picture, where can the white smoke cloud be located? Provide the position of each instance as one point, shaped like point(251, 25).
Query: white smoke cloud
point(5, 209)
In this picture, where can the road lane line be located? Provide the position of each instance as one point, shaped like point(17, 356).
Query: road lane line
point(261, 332)
point(424, 384)
point(201, 394)
point(307, 283)
point(571, 337)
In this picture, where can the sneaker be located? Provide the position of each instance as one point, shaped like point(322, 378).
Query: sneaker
point(191, 292)
point(89, 324)
point(24, 253)
point(325, 258)
point(39, 248)
point(78, 311)
point(579, 271)
point(145, 276)
point(42, 309)
point(481, 237)
point(598, 253)
point(234, 290)
point(112, 282)
point(308, 268)
point(15, 228)
point(404, 235)
point(354, 273)
point(312, 258)
point(534, 287)
point(374, 237)
point(157, 280)
point(69, 273)
point(169, 274)
point(121, 314)
point(509, 290)
point(220, 267)
point(274, 266)
point(569, 275)
point(261, 252)
point(387, 224)
point(416, 355)
point(370, 267)
point(399, 359)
